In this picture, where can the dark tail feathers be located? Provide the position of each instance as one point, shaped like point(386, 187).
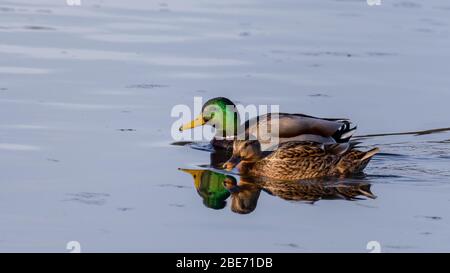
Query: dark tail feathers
point(345, 132)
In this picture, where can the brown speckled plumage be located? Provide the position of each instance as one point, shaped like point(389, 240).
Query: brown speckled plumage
point(300, 160)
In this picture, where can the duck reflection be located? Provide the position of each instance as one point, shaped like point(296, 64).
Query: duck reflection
point(215, 188)
point(244, 195)
point(210, 186)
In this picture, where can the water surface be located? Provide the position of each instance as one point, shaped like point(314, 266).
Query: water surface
point(85, 100)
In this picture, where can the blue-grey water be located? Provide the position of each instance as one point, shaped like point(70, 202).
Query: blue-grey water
point(86, 94)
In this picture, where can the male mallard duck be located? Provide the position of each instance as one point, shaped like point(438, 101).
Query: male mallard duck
point(221, 113)
point(298, 160)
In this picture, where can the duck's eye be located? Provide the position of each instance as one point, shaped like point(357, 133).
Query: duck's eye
point(208, 117)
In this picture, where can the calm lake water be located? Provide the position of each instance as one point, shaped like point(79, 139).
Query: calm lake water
point(86, 94)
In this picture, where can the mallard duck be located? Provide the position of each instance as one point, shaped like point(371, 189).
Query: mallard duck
point(298, 160)
point(221, 113)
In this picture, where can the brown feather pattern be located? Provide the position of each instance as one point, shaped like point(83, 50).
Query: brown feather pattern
point(302, 160)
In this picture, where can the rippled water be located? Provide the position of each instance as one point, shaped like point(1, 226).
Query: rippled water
point(86, 94)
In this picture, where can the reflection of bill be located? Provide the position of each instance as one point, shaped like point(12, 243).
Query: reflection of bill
point(210, 186)
point(373, 2)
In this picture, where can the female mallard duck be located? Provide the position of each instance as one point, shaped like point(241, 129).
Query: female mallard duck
point(298, 160)
point(221, 113)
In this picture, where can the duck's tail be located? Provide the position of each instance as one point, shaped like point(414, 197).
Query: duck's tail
point(345, 132)
point(355, 161)
point(369, 154)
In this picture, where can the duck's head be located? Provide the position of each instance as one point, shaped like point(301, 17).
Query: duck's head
point(247, 151)
point(220, 113)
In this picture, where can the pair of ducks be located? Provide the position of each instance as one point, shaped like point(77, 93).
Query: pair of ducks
point(307, 146)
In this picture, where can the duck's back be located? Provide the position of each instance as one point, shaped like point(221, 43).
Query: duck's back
point(298, 127)
point(302, 160)
point(296, 160)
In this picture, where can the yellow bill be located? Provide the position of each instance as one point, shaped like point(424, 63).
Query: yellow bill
point(198, 121)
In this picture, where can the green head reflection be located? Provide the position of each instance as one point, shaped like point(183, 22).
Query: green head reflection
point(210, 186)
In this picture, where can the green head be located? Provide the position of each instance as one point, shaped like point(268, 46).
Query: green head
point(221, 113)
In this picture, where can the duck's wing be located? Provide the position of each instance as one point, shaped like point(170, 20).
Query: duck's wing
point(340, 130)
point(297, 150)
point(286, 126)
point(309, 116)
